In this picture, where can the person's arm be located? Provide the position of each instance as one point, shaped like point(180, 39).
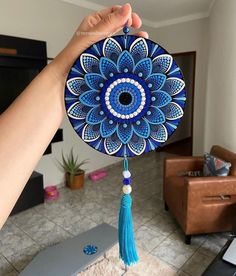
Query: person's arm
point(29, 124)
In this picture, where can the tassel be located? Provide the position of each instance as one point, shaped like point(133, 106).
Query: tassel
point(127, 246)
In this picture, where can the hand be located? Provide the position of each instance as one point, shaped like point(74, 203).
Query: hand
point(95, 27)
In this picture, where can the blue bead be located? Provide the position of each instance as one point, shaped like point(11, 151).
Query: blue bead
point(126, 29)
point(127, 181)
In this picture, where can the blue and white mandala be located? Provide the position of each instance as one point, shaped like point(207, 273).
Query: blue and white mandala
point(125, 95)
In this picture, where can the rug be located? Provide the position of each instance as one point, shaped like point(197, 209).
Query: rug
point(111, 265)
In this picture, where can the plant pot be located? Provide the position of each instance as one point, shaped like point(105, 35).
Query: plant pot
point(75, 182)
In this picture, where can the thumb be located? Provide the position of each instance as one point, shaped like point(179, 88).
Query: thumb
point(114, 22)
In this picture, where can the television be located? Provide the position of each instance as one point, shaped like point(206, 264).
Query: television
point(13, 81)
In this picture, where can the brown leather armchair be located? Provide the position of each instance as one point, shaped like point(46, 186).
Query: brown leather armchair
point(200, 204)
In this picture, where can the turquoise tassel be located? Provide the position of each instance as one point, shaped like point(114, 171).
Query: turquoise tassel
point(128, 252)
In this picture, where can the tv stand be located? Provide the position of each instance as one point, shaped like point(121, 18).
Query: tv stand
point(32, 194)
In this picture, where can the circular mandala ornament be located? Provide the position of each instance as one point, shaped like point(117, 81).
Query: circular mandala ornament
point(125, 95)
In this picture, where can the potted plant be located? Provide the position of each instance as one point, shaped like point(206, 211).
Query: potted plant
point(74, 175)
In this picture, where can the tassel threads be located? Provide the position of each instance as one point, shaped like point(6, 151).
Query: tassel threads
point(128, 252)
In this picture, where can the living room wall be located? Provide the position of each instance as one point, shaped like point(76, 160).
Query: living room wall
point(186, 37)
point(220, 125)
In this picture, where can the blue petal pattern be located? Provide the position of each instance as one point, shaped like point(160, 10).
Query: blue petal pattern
point(173, 111)
point(76, 85)
point(89, 63)
point(162, 63)
point(160, 98)
point(90, 133)
point(107, 67)
point(111, 49)
point(139, 49)
point(137, 145)
point(95, 116)
point(119, 99)
point(112, 144)
point(107, 128)
point(173, 86)
point(155, 116)
point(142, 128)
point(156, 81)
point(125, 133)
point(90, 98)
point(94, 81)
point(125, 62)
point(77, 111)
point(143, 68)
point(159, 133)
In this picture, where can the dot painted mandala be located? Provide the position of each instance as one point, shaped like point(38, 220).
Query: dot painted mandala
point(125, 95)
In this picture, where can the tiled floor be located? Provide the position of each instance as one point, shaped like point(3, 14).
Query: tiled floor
point(27, 233)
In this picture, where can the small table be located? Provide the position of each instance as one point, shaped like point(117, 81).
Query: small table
point(218, 266)
point(68, 258)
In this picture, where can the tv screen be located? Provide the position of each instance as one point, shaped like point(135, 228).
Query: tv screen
point(12, 82)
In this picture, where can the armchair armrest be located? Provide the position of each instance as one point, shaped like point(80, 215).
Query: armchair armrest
point(210, 190)
point(176, 165)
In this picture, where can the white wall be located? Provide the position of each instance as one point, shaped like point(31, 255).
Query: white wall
point(54, 22)
point(220, 125)
point(185, 37)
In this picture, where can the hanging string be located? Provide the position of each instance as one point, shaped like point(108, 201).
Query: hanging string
point(126, 31)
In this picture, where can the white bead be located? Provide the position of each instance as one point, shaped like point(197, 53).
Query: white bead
point(132, 81)
point(142, 103)
point(109, 107)
point(115, 113)
point(126, 116)
point(127, 189)
point(141, 90)
point(112, 86)
point(122, 116)
point(135, 113)
point(123, 79)
point(139, 110)
point(118, 115)
point(139, 86)
point(126, 174)
point(112, 111)
point(136, 83)
point(141, 107)
point(115, 83)
point(128, 80)
point(131, 115)
point(106, 99)
point(119, 80)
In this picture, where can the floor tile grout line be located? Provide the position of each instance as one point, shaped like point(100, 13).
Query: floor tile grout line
point(8, 261)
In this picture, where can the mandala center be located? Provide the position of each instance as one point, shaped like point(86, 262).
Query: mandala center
point(125, 98)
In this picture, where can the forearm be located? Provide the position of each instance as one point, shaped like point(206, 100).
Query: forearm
point(27, 127)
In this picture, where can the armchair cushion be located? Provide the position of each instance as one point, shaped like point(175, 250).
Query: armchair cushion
point(214, 166)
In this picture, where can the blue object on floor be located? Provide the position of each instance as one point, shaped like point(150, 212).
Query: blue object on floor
point(90, 249)
point(67, 258)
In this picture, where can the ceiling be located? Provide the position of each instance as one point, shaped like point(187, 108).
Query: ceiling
point(157, 13)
